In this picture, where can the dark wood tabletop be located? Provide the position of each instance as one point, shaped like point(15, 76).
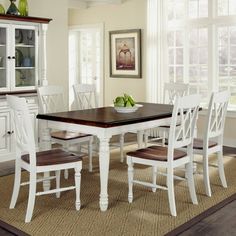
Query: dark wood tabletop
point(108, 117)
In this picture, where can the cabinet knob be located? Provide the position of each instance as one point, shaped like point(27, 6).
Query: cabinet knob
point(10, 132)
point(8, 57)
point(13, 57)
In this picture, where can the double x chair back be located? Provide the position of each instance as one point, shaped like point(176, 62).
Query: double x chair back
point(51, 99)
point(40, 162)
point(85, 96)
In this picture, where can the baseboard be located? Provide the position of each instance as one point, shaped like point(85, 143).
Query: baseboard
point(229, 142)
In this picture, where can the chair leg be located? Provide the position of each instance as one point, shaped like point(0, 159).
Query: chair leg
point(90, 154)
point(154, 178)
point(46, 183)
point(163, 138)
point(31, 200)
point(146, 138)
point(122, 138)
point(190, 179)
point(78, 185)
point(16, 187)
point(221, 169)
point(171, 193)
point(206, 176)
point(58, 176)
point(130, 178)
point(66, 174)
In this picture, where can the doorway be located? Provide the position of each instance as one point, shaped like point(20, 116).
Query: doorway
point(86, 59)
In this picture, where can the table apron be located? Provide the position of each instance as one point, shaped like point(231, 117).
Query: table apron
point(100, 131)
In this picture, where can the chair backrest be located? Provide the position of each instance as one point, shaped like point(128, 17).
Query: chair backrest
point(216, 115)
point(174, 90)
point(51, 99)
point(23, 128)
point(85, 96)
point(183, 122)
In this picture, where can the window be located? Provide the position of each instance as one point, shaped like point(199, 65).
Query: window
point(226, 7)
point(176, 55)
point(199, 44)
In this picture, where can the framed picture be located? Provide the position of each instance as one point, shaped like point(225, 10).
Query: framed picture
point(125, 53)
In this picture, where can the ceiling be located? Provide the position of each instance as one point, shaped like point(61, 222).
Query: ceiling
point(91, 3)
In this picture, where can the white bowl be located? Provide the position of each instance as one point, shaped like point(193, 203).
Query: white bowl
point(128, 109)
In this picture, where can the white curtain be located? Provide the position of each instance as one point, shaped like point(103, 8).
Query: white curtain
point(154, 58)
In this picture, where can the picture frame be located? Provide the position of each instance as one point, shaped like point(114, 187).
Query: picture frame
point(125, 53)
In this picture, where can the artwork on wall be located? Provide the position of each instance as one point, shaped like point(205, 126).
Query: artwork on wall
point(125, 53)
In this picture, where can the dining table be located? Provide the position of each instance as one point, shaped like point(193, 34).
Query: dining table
point(104, 122)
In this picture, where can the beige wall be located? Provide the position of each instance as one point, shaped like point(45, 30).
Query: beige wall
point(129, 15)
point(229, 132)
point(57, 37)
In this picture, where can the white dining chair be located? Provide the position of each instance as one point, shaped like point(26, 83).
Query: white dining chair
point(34, 163)
point(51, 99)
point(212, 141)
point(185, 110)
point(86, 98)
point(170, 93)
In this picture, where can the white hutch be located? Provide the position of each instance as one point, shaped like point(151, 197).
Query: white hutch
point(22, 69)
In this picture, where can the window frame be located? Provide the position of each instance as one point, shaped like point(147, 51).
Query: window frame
point(212, 23)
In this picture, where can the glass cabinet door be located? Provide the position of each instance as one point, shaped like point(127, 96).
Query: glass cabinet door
point(25, 58)
point(3, 53)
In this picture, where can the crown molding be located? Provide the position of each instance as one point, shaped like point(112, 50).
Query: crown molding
point(81, 4)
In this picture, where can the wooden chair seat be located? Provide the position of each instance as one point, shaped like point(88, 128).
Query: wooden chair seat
point(67, 135)
point(198, 144)
point(168, 126)
point(53, 157)
point(158, 153)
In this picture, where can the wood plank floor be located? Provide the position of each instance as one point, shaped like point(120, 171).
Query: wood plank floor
point(221, 222)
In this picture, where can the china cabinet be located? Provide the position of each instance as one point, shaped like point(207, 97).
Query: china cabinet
point(22, 69)
point(19, 57)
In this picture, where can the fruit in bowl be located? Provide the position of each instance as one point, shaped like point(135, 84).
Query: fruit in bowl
point(125, 101)
point(125, 104)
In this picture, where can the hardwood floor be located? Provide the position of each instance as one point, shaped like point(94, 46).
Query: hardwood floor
point(220, 222)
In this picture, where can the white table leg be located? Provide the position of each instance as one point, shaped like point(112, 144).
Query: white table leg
point(45, 144)
point(104, 159)
point(140, 138)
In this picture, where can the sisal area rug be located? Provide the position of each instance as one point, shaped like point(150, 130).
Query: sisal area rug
point(148, 214)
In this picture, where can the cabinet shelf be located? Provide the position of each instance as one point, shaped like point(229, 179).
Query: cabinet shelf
point(2, 45)
point(2, 68)
point(25, 68)
point(24, 46)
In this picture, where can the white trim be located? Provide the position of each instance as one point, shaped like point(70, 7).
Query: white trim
point(229, 142)
point(81, 4)
point(153, 50)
